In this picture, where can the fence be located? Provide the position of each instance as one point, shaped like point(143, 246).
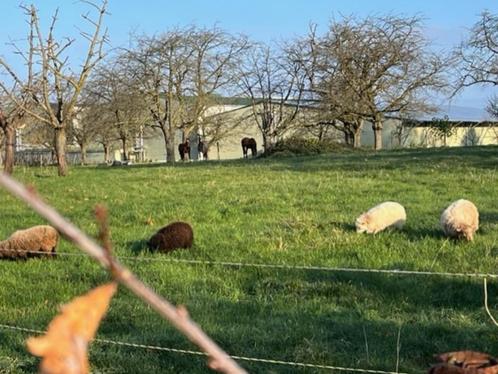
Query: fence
point(123, 275)
point(268, 361)
point(43, 157)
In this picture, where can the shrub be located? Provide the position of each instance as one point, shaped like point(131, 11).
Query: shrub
point(305, 146)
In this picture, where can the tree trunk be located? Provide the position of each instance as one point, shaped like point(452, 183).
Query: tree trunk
point(266, 145)
point(60, 150)
point(125, 155)
point(347, 137)
point(357, 138)
point(377, 128)
point(10, 136)
point(107, 154)
point(357, 135)
point(83, 147)
point(169, 144)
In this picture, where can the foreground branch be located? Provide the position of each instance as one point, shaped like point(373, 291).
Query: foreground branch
point(219, 360)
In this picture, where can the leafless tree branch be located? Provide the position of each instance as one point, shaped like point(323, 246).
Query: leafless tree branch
point(179, 317)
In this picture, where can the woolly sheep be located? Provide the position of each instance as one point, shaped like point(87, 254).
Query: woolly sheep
point(460, 220)
point(173, 236)
point(22, 243)
point(380, 217)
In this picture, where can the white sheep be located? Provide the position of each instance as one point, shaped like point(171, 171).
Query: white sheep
point(25, 243)
point(460, 220)
point(380, 217)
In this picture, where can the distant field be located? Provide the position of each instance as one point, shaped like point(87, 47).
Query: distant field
point(295, 211)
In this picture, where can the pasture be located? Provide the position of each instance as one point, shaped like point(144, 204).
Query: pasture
point(294, 211)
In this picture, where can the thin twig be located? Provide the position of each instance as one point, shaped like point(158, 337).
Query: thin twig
point(398, 349)
point(486, 302)
point(219, 360)
point(366, 344)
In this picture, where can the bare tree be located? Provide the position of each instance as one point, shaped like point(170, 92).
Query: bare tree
point(85, 129)
point(10, 120)
point(493, 106)
point(182, 74)
point(161, 64)
point(16, 97)
point(113, 105)
point(374, 67)
point(275, 86)
point(478, 57)
point(340, 109)
point(215, 60)
point(59, 85)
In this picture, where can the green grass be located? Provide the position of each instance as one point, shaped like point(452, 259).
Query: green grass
point(297, 210)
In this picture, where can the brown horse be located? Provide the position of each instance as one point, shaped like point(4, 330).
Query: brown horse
point(184, 149)
point(249, 143)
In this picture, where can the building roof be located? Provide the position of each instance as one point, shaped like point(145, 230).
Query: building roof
point(458, 113)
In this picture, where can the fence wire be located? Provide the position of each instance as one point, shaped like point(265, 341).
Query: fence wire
point(198, 353)
point(279, 266)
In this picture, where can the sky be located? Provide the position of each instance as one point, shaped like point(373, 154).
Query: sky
point(446, 22)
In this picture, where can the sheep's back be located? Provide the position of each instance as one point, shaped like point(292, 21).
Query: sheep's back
point(172, 236)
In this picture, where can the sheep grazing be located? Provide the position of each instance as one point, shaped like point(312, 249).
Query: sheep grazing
point(25, 243)
point(175, 235)
point(380, 217)
point(460, 220)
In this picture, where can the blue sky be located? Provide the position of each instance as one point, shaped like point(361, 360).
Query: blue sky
point(263, 20)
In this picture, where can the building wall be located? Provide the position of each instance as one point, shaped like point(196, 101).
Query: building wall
point(227, 148)
point(243, 123)
point(424, 137)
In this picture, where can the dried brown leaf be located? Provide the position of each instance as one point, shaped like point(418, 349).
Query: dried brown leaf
point(64, 347)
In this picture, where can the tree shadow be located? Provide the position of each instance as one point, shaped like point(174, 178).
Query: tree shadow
point(316, 321)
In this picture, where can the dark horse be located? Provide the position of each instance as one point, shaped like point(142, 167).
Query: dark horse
point(202, 150)
point(184, 149)
point(249, 143)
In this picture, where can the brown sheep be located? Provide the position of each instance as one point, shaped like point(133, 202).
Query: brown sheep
point(173, 236)
point(22, 243)
point(465, 362)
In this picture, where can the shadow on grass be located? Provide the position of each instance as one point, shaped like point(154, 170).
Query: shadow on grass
point(484, 157)
point(138, 246)
point(343, 226)
point(417, 233)
point(321, 329)
point(488, 217)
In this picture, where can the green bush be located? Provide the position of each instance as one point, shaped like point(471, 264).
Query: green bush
point(305, 146)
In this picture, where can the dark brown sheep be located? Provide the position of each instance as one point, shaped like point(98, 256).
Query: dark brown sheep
point(26, 243)
point(175, 235)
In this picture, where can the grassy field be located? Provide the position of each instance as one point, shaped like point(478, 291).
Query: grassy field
point(296, 211)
